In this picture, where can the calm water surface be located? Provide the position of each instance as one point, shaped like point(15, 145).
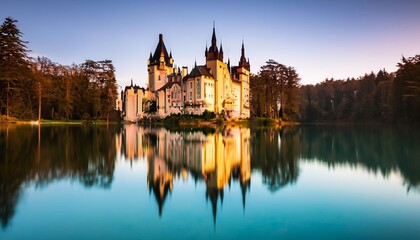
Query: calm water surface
point(130, 182)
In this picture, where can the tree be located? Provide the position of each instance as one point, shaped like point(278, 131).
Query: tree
point(275, 91)
point(14, 66)
point(407, 90)
point(41, 71)
point(290, 101)
point(100, 91)
point(108, 87)
point(257, 90)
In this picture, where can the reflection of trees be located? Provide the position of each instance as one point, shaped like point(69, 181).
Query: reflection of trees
point(30, 156)
point(275, 152)
point(377, 148)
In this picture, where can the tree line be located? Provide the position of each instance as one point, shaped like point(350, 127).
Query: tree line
point(40, 88)
point(382, 97)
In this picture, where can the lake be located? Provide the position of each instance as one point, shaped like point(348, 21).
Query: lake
point(132, 182)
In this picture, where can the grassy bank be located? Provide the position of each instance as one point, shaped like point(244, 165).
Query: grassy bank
point(3, 120)
point(170, 121)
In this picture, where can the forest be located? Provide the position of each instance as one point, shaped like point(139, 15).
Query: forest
point(373, 98)
point(381, 97)
point(38, 88)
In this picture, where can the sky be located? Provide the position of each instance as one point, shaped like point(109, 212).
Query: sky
point(320, 39)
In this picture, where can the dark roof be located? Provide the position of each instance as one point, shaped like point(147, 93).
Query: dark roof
point(213, 46)
point(160, 48)
point(168, 85)
point(135, 87)
point(235, 74)
point(174, 74)
point(213, 52)
point(243, 62)
point(200, 71)
point(234, 70)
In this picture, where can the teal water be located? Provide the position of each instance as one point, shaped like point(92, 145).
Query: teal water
point(130, 182)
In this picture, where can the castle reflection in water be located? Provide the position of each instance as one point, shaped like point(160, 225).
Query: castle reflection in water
point(214, 158)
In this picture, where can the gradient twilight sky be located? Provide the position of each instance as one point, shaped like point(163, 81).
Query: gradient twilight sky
point(321, 39)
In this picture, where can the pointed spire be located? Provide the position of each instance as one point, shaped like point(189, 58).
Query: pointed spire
point(243, 49)
point(170, 54)
point(195, 62)
point(161, 55)
point(213, 37)
point(131, 82)
point(150, 57)
point(229, 64)
point(243, 61)
point(221, 53)
point(162, 50)
point(213, 52)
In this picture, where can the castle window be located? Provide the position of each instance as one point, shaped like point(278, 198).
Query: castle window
point(190, 84)
point(190, 96)
point(159, 78)
point(198, 89)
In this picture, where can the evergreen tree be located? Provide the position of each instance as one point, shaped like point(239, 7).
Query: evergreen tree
point(14, 69)
point(407, 90)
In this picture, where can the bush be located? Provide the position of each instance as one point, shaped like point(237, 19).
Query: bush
point(207, 115)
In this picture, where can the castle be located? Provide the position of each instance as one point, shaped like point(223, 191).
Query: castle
point(216, 86)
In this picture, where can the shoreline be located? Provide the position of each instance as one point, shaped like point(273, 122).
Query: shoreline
point(55, 122)
point(161, 122)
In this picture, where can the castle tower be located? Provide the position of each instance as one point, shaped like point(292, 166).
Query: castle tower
point(219, 70)
point(243, 62)
point(213, 52)
point(243, 72)
point(159, 65)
